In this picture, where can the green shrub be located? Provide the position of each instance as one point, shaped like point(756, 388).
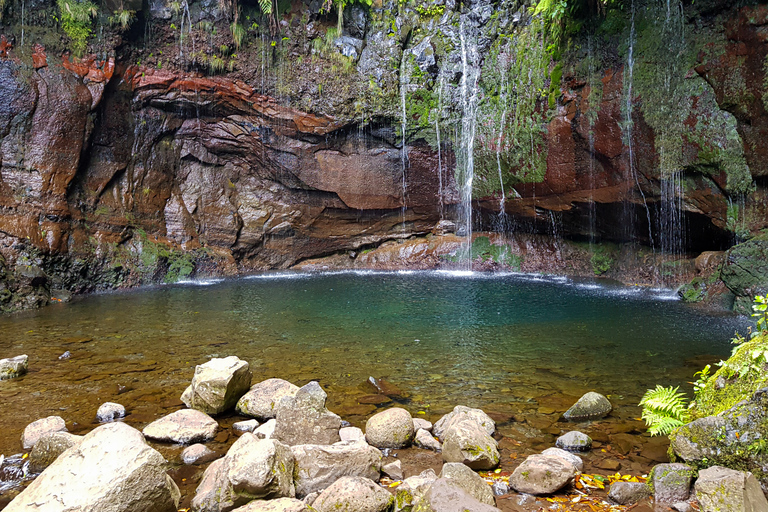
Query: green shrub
point(76, 22)
point(601, 262)
point(664, 409)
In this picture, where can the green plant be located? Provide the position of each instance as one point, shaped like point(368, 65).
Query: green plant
point(76, 22)
point(664, 409)
point(238, 34)
point(122, 18)
point(175, 7)
point(760, 308)
point(601, 262)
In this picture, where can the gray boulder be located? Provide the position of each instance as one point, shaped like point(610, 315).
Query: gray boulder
point(278, 505)
point(628, 493)
point(413, 489)
point(574, 459)
point(424, 439)
point(112, 470)
point(110, 411)
point(319, 466)
point(37, 429)
point(574, 441)
point(461, 413)
point(392, 428)
point(13, 367)
point(542, 474)
point(445, 496)
point(303, 419)
point(671, 483)
point(261, 400)
point(197, 454)
point(469, 443)
point(252, 469)
point(48, 448)
point(472, 483)
point(353, 494)
point(591, 406)
point(185, 427)
point(217, 385)
point(720, 489)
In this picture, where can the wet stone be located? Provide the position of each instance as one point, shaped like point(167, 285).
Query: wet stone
point(574, 441)
point(591, 406)
point(197, 454)
point(13, 367)
point(110, 411)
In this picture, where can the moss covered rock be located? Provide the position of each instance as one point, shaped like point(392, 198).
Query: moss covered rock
point(745, 271)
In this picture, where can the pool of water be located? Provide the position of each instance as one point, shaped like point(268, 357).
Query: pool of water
point(514, 344)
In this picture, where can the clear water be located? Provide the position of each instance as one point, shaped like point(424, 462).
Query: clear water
point(503, 342)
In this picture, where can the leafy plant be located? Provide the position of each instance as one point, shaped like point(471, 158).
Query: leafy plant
point(664, 409)
point(76, 22)
point(122, 18)
point(601, 262)
point(760, 308)
point(238, 34)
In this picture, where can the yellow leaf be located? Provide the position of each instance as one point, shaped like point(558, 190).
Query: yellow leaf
point(394, 484)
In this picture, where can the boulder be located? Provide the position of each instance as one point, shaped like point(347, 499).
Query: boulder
point(112, 470)
point(472, 483)
point(13, 367)
point(266, 430)
point(393, 470)
point(261, 400)
point(48, 448)
point(110, 411)
point(445, 496)
point(37, 429)
point(628, 493)
point(303, 419)
point(185, 427)
point(419, 423)
point(461, 413)
point(424, 439)
point(574, 441)
point(469, 443)
point(719, 489)
point(542, 474)
point(217, 385)
point(392, 428)
point(353, 494)
point(591, 406)
point(252, 469)
point(671, 483)
point(318, 466)
point(246, 426)
point(412, 489)
point(574, 459)
point(278, 505)
point(197, 454)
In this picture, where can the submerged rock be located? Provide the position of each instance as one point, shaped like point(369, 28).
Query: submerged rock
point(13, 367)
point(467, 442)
point(112, 470)
point(261, 400)
point(392, 428)
point(574, 441)
point(353, 494)
point(110, 411)
point(718, 488)
point(37, 429)
point(591, 406)
point(304, 419)
point(217, 385)
point(185, 427)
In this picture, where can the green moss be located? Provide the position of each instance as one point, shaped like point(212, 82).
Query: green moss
point(554, 85)
point(483, 249)
point(602, 260)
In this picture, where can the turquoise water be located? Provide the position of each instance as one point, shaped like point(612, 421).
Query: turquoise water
point(509, 343)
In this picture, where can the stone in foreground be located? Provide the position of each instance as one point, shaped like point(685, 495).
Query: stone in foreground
point(319, 466)
point(392, 428)
point(720, 489)
point(469, 443)
point(110, 411)
point(278, 505)
point(304, 419)
point(261, 400)
point(217, 385)
point(112, 470)
point(413, 489)
point(13, 367)
point(591, 406)
point(393, 470)
point(353, 494)
point(574, 459)
point(628, 493)
point(37, 429)
point(460, 413)
point(574, 441)
point(48, 448)
point(186, 426)
point(197, 454)
point(472, 483)
point(445, 496)
point(542, 474)
point(671, 482)
point(424, 439)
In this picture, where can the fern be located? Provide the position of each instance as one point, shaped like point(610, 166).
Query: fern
point(664, 409)
point(266, 6)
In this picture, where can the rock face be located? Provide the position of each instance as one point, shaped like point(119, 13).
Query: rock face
point(591, 406)
point(261, 400)
point(460, 413)
point(392, 428)
point(353, 494)
point(49, 447)
point(252, 469)
point(39, 428)
point(13, 367)
point(185, 427)
point(303, 419)
point(217, 385)
point(317, 467)
point(719, 488)
point(113, 469)
point(542, 474)
point(468, 442)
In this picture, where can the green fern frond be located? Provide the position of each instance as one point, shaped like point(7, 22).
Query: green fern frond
point(266, 6)
point(664, 409)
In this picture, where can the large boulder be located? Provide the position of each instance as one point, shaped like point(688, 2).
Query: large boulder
point(38, 428)
point(542, 474)
point(186, 427)
point(13, 367)
point(318, 466)
point(469, 443)
point(217, 385)
point(671, 483)
point(303, 419)
point(278, 505)
point(446, 496)
point(472, 483)
point(392, 428)
point(591, 406)
point(261, 400)
point(413, 489)
point(574, 459)
point(112, 470)
point(745, 271)
point(719, 489)
point(353, 494)
point(460, 413)
point(252, 469)
point(48, 448)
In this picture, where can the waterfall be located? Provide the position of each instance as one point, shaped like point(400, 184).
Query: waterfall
point(591, 119)
point(469, 96)
point(440, 198)
point(501, 220)
point(405, 79)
